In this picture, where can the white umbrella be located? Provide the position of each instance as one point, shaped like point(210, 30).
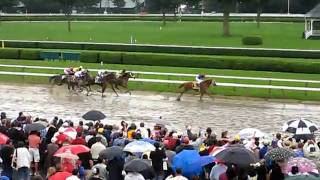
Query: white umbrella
point(139, 147)
point(250, 132)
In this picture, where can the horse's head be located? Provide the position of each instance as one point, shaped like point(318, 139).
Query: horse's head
point(128, 75)
point(213, 83)
point(131, 75)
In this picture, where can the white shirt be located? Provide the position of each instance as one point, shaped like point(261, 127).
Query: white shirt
point(78, 73)
point(73, 177)
point(96, 148)
point(179, 177)
point(144, 132)
point(133, 176)
point(23, 157)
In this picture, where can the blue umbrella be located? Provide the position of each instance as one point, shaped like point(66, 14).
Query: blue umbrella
point(191, 162)
point(151, 141)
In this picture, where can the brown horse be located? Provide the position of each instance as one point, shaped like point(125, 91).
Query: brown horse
point(58, 80)
point(123, 81)
point(204, 85)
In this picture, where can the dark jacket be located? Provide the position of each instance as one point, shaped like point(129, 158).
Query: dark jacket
point(157, 157)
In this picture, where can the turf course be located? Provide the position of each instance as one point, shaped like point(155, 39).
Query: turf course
point(275, 35)
point(262, 93)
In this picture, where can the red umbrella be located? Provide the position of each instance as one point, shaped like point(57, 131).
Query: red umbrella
point(60, 176)
point(3, 138)
point(74, 149)
point(71, 132)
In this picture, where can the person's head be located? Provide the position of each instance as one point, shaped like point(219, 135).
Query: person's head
point(20, 144)
point(20, 114)
point(157, 145)
point(71, 124)
point(33, 133)
point(300, 145)
point(80, 123)
point(145, 156)
point(185, 140)
point(208, 131)
point(224, 134)
point(178, 171)
point(95, 171)
point(294, 169)
point(278, 136)
point(51, 171)
point(123, 71)
point(75, 172)
point(142, 124)
point(3, 115)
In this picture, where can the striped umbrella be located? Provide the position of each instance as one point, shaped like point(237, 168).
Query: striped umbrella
point(300, 127)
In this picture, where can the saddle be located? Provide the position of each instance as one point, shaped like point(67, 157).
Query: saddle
point(195, 85)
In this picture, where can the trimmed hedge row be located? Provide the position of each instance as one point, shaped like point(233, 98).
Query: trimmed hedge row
point(194, 61)
point(215, 62)
point(252, 40)
point(167, 49)
point(146, 18)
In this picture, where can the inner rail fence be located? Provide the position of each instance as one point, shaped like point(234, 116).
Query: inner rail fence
point(234, 85)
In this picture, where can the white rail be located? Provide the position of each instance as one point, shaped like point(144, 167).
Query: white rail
point(180, 82)
point(174, 74)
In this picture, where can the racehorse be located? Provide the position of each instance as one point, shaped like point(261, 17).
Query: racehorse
point(80, 83)
point(204, 85)
point(58, 80)
point(123, 81)
point(108, 79)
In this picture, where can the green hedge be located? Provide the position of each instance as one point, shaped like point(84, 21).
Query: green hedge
point(89, 57)
point(178, 60)
point(30, 54)
point(169, 49)
point(9, 53)
point(252, 40)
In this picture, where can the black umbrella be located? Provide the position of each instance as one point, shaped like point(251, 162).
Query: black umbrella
point(137, 165)
point(34, 127)
point(94, 115)
point(111, 152)
point(278, 154)
point(237, 155)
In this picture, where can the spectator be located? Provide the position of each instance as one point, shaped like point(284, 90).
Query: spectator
point(178, 176)
point(157, 157)
point(133, 176)
point(96, 148)
point(22, 161)
point(74, 175)
point(6, 154)
point(102, 168)
point(34, 142)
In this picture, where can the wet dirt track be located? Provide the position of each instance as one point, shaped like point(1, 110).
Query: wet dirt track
point(218, 113)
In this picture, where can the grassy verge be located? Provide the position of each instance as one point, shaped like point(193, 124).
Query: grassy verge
point(227, 91)
point(183, 33)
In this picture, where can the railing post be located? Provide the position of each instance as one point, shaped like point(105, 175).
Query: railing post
point(270, 85)
point(306, 85)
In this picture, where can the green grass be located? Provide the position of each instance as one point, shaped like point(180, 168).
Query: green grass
point(262, 93)
point(275, 35)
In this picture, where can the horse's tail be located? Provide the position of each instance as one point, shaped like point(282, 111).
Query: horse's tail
point(51, 78)
point(181, 85)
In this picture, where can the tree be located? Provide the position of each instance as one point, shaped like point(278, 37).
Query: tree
point(4, 4)
point(227, 6)
point(119, 3)
point(68, 5)
point(41, 6)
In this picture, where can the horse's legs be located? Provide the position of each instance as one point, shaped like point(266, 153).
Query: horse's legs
point(103, 89)
point(179, 97)
point(114, 90)
point(201, 95)
point(126, 87)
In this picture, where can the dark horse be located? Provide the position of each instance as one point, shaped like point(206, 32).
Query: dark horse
point(58, 80)
point(123, 81)
point(204, 85)
point(81, 83)
point(107, 79)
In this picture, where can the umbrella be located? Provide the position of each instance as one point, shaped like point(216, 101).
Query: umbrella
point(278, 154)
point(250, 132)
point(302, 177)
point(94, 115)
point(151, 141)
point(60, 176)
point(74, 149)
point(3, 138)
point(304, 165)
point(111, 152)
point(67, 155)
point(300, 127)
point(71, 132)
point(139, 147)
point(190, 162)
point(34, 127)
point(237, 155)
point(136, 165)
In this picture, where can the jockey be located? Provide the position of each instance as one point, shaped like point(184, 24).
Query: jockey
point(77, 69)
point(100, 75)
point(199, 79)
point(80, 73)
point(121, 73)
point(68, 71)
